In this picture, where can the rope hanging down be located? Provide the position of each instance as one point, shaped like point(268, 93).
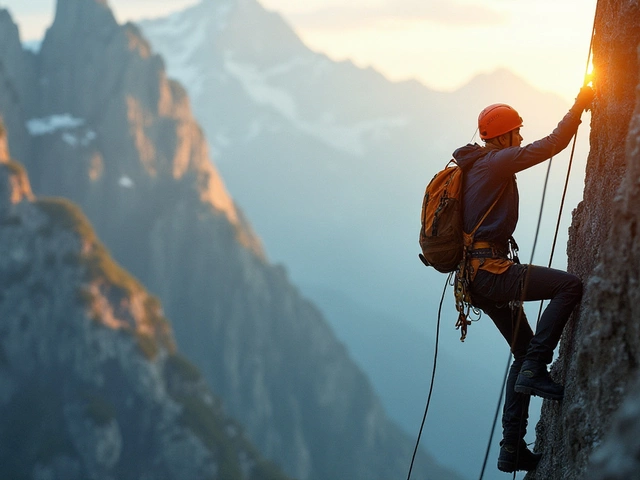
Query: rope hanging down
point(433, 376)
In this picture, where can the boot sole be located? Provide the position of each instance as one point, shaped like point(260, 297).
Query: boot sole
point(537, 393)
point(509, 467)
point(506, 467)
point(522, 465)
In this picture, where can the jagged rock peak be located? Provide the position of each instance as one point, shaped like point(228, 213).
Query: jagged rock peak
point(4, 148)
point(117, 299)
point(106, 76)
point(84, 12)
point(14, 185)
point(8, 27)
point(14, 182)
point(94, 18)
point(75, 19)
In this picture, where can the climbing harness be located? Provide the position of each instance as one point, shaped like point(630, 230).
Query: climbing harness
point(465, 274)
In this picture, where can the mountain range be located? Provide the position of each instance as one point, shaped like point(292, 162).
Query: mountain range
point(94, 119)
point(325, 159)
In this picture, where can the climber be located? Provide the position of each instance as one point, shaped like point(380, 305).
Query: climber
point(498, 282)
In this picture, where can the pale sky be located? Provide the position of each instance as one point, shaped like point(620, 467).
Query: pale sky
point(442, 43)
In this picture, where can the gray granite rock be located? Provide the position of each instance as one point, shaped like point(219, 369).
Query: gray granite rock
point(600, 348)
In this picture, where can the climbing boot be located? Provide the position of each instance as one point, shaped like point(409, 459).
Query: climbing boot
point(534, 379)
point(517, 457)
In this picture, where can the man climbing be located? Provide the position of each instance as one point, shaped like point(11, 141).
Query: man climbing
point(498, 283)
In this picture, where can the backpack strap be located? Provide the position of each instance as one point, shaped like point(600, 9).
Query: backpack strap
point(468, 237)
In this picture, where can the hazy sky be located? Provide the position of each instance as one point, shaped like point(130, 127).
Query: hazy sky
point(443, 43)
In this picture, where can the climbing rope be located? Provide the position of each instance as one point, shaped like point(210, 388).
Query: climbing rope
point(433, 375)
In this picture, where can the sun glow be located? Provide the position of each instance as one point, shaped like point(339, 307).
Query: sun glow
point(443, 43)
point(588, 78)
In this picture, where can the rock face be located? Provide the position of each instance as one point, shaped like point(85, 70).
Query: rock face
point(600, 348)
point(91, 384)
point(106, 103)
point(110, 132)
point(18, 82)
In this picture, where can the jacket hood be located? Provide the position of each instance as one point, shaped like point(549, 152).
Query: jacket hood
point(467, 155)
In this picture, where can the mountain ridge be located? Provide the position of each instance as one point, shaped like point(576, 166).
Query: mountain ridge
point(136, 162)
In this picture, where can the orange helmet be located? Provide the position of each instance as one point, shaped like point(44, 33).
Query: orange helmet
point(497, 119)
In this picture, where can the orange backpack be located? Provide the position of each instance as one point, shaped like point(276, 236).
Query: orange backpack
point(441, 236)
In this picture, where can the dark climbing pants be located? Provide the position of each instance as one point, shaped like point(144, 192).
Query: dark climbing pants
point(495, 294)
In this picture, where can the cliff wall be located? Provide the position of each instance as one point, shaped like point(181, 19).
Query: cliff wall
point(91, 384)
point(600, 348)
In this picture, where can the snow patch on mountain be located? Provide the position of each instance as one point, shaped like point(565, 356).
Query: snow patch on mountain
point(46, 125)
point(298, 64)
point(73, 130)
point(32, 45)
point(74, 140)
point(126, 182)
point(182, 38)
point(349, 138)
point(256, 86)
